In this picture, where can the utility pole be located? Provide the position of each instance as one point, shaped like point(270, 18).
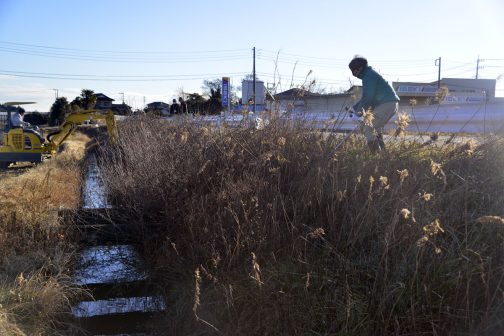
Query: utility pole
point(254, 81)
point(122, 93)
point(56, 93)
point(477, 67)
point(438, 63)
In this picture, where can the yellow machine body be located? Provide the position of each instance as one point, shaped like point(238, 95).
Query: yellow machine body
point(27, 145)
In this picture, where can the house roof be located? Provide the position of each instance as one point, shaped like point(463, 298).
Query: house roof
point(121, 108)
point(153, 104)
point(101, 96)
point(296, 93)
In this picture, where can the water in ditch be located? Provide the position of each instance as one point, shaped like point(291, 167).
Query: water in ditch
point(94, 192)
point(124, 301)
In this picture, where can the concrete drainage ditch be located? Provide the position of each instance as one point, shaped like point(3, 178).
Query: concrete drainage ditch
point(123, 299)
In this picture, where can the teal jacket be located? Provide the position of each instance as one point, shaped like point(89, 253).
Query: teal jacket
point(375, 90)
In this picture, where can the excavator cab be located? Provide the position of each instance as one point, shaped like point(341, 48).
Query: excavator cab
point(18, 143)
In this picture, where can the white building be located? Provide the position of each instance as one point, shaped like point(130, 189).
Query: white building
point(460, 105)
point(448, 91)
point(302, 101)
point(248, 92)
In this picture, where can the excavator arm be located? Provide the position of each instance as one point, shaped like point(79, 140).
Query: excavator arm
point(73, 120)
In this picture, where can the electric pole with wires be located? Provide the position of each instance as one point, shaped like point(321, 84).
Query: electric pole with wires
point(438, 64)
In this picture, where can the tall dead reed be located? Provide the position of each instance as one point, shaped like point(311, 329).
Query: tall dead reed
point(291, 237)
point(35, 251)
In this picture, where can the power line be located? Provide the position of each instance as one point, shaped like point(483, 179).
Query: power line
point(179, 59)
point(393, 68)
point(340, 61)
point(335, 62)
point(123, 52)
point(118, 78)
point(133, 76)
point(124, 56)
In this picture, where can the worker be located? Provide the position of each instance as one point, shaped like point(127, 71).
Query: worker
point(17, 119)
point(175, 107)
point(379, 97)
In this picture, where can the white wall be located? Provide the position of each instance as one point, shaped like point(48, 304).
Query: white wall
point(248, 91)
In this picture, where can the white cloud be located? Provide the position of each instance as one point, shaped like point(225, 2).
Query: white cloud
point(7, 77)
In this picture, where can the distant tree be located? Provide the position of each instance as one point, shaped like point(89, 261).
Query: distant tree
point(36, 118)
point(250, 77)
point(213, 90)
point(180, 92)
point(76, 103)
point(210, 86)
point(59, 110)
point(87, 100)
point(196, 103)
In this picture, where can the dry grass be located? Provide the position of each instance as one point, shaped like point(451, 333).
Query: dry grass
point(34, 249)
point(289, 237)
point(8, 328)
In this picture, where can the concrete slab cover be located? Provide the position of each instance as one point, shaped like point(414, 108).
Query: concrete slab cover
point(119, 306)
point(109, 264)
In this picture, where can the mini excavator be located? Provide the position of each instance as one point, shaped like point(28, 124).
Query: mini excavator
point(28, 144)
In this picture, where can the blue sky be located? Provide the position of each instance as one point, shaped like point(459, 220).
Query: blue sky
point(150, 50)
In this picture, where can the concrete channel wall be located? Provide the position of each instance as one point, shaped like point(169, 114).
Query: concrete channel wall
point(124, 300)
